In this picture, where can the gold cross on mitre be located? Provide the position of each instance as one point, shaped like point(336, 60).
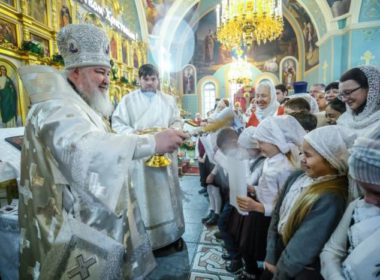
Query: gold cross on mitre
point(367, 57)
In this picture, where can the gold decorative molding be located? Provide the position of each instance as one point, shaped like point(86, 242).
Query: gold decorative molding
point(25, 27)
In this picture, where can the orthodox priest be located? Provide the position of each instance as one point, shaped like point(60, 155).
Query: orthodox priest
point(157, 188)
point(78, 214)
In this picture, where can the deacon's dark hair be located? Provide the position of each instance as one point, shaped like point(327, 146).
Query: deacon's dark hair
point(333, 85)
point(298, 104)
point(226, 136)
point(306, 119)
point(282, 87)
point(226, 102)
point(148, 70)
point(337, 105)
point(357, 75)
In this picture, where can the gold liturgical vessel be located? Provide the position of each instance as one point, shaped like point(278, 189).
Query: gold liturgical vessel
point(156, 160)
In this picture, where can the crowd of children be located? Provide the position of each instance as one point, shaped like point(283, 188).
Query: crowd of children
point(301, 175)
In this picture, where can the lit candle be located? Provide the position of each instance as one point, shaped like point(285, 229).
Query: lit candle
point(217, 15)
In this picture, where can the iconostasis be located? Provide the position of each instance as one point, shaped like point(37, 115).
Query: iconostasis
point(28, 30)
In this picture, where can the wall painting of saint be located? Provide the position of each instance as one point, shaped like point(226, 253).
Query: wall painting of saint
point(9, 99)
point(8, 33)
point(188, 79)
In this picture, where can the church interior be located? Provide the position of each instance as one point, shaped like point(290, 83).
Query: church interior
point(205, 51)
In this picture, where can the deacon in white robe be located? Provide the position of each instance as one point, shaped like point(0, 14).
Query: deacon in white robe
point(157, 189)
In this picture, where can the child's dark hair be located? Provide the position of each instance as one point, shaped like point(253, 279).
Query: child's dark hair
point(281, 87)
point(337, 105)
point(226, 136)
point(333, 85)
point(298, 104)
point(306, 119)
point(148, 70)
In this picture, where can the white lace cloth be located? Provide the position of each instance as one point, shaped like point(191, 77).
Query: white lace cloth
point(9, 155)
point(371, 112)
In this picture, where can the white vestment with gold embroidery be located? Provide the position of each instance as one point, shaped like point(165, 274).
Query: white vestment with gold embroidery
point(157, 189)
point(78, 213)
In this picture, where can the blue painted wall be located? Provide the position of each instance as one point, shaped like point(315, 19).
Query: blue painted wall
point(346, 50)
point(369, 11)
point(364, 40)
point(312, 76)
point(190, 104)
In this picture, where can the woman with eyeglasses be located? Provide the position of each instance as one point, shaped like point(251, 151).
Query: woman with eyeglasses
point(359, 88)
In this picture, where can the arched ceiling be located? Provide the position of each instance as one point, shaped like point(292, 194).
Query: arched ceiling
point(162, 10)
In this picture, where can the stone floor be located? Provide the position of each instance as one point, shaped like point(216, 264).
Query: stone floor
point(201, 257)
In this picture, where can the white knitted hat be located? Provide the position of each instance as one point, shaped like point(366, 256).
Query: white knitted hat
point(364, 161)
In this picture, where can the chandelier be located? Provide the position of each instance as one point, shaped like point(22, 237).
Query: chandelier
point(240, 22)
point(240, 72)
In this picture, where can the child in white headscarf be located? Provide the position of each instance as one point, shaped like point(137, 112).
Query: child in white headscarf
point(353, 250)
point(249, 143)
point(310, 206)
point(279, 139)
point(240, 225)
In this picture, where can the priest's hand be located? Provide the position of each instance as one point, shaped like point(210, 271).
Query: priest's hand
point(169, 140)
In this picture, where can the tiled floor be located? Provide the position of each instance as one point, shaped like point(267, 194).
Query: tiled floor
point(201, 257)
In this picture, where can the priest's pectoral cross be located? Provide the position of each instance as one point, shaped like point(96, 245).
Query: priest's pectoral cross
point(367, 57)
point(108, 125)
point(324, 69)
point(82, 269)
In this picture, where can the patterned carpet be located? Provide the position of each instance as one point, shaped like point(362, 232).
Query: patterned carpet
point(201, 257)
point(208, 263)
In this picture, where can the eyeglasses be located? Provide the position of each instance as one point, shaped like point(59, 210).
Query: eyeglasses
point(345, 94)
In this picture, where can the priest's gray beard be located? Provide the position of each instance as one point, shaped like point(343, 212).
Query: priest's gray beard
point(101, 103)
point(97, 99)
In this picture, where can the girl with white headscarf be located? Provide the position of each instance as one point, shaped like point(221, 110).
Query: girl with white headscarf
point(353, 250)
point(279, 139)
point(310, 205)
point(266, 103)
point(360, 90)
